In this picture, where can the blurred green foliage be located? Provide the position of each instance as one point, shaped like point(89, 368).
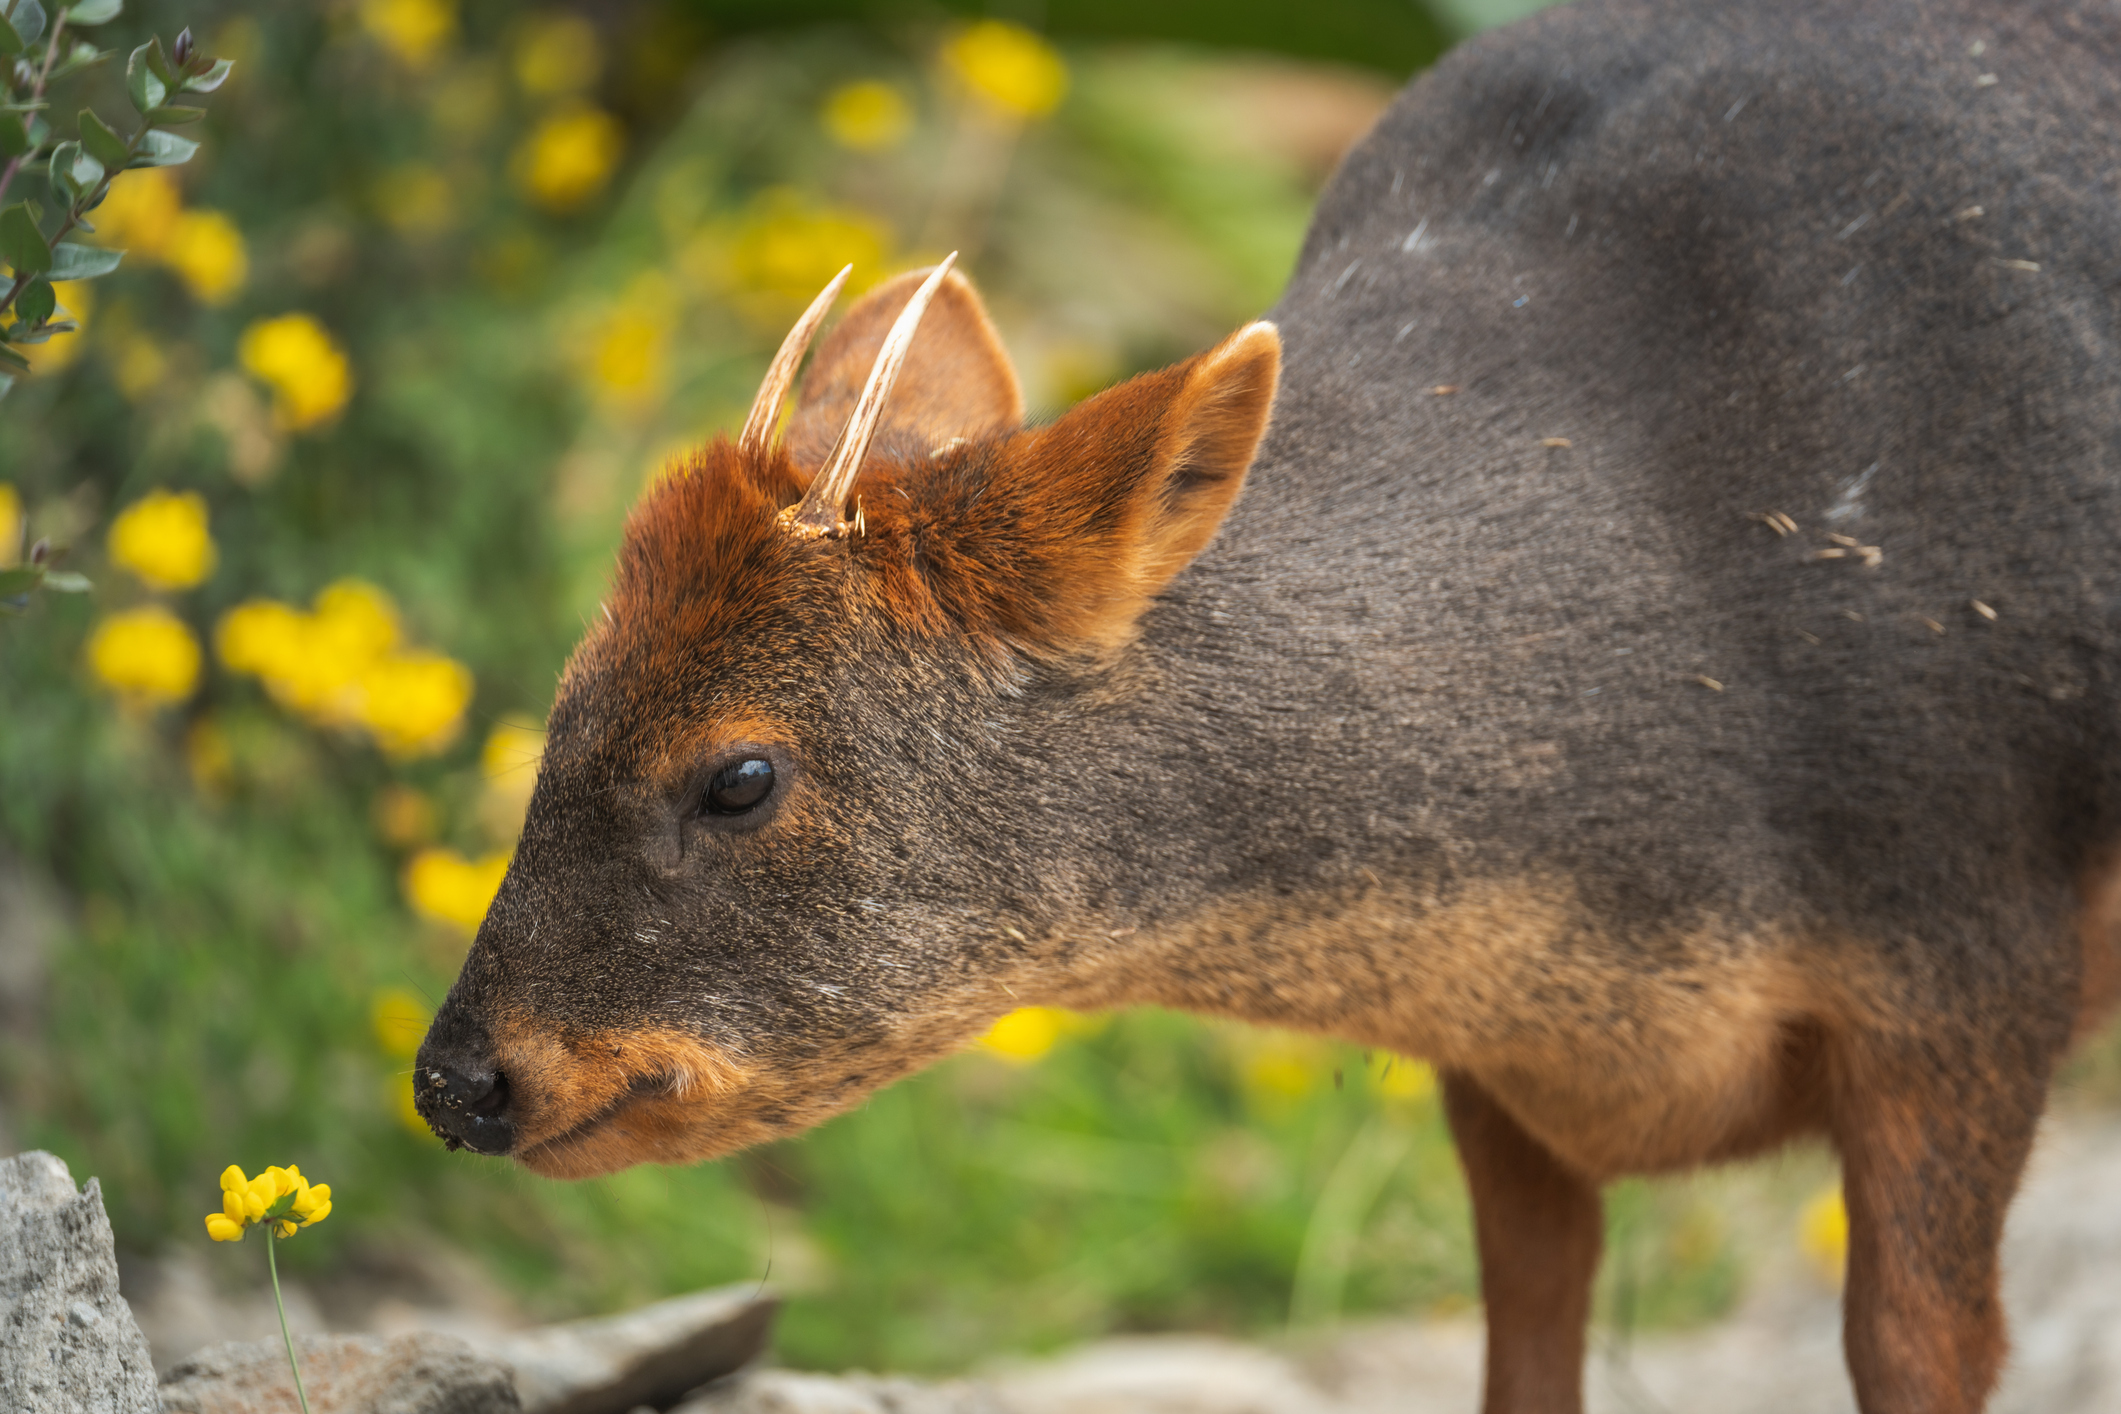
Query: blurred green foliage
point(444, 287)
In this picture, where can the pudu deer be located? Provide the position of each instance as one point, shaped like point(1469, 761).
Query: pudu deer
point(1662, 667)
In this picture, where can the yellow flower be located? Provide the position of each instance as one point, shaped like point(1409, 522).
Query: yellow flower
point(1278, 1067)
point(568, 157)
point(137, 365)
point(1028, 1033)
point(557, 53)
point(162, 538)
point(1823, 1234)
point(443, 885)
point(140, 213)
point(414, 703)
point(308, 373)
point(868, 116)
point(399, 1019)
point(1401, 1077)
point(783, 248)
point(10, 524)
point(279, 1198)
point(415, 200)
point(207, 252)
point(509, 762)
point(412, 30)
point(403, 1104)
point(146, 655)
point(341, 666)
point(1008, 67)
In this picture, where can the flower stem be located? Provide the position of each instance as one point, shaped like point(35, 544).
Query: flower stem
point(272, 1265)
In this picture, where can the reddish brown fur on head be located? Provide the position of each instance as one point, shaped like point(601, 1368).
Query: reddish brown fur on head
point(655, 984)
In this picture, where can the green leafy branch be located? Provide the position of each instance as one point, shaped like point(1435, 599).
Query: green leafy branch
point(78, 173)
point(37, 571)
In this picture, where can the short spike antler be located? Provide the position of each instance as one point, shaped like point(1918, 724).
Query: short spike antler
point(757, 436)
point(818, 513)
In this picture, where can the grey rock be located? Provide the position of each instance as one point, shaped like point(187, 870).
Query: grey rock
point(68, 1343)
point(652, 1356)
point(788, 1392)
point(343, 1374)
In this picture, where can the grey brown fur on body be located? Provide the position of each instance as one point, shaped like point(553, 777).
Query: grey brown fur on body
point(1695, 728)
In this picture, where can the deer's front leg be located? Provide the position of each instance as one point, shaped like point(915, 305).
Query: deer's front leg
point(1539, 1227)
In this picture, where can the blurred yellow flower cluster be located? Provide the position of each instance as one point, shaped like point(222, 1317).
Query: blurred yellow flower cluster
point(1028, 1033)
point(400, 1020)
point(11, 526)
point(146, 655)
point(1007, 68)
point(414, 31)
point(868, 116)
point(279, 1199)
point(162, 538)
point(445, 886)
point(557, 53)
point(779, 253)
point(307, 372)
point(341, 665)
point(1823, 1234)
point(568, 157)
point(145, 214)
point(509, 762)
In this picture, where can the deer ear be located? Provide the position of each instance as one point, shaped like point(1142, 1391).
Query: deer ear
point(1090, 517)
point(957, 380)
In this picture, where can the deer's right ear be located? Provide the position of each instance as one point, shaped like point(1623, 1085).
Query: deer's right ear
point(957, 380)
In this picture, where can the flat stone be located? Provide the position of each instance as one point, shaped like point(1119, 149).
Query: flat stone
point(68, 1342)
point(654, 1356)
point(343, 1374)
point(789, 1392)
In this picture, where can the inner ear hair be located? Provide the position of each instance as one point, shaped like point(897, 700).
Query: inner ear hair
point(957, 380)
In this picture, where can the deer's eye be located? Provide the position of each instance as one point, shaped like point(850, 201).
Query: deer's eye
point(738, 786)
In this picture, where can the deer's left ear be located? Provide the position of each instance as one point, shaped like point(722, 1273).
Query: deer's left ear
point(957, 380)
point(1058, 537)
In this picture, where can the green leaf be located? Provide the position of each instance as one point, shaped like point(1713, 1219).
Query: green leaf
point(93, 12)
point(10, 41)
point(98, 138)
point(9, 359)
point(143, 83)
point(159, 62)
point(21, 242)
point(74, 171)
point(80, 57)
point(36, 302)
point(82, 262)
point(20, 581)
point(210, 78)
point(170, 114)
point(14, 136)
point(67, 582)
point(26, 18)
point(160, 149)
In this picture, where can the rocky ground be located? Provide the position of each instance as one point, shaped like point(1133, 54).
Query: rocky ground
point(68, 1341)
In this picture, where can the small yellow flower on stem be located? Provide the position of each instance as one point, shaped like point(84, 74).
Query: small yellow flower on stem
point(283, 1202)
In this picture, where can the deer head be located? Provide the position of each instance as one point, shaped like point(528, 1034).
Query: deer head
point(810, 812)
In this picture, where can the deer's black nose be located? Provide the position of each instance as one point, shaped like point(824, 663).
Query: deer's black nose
point(466, 1103)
